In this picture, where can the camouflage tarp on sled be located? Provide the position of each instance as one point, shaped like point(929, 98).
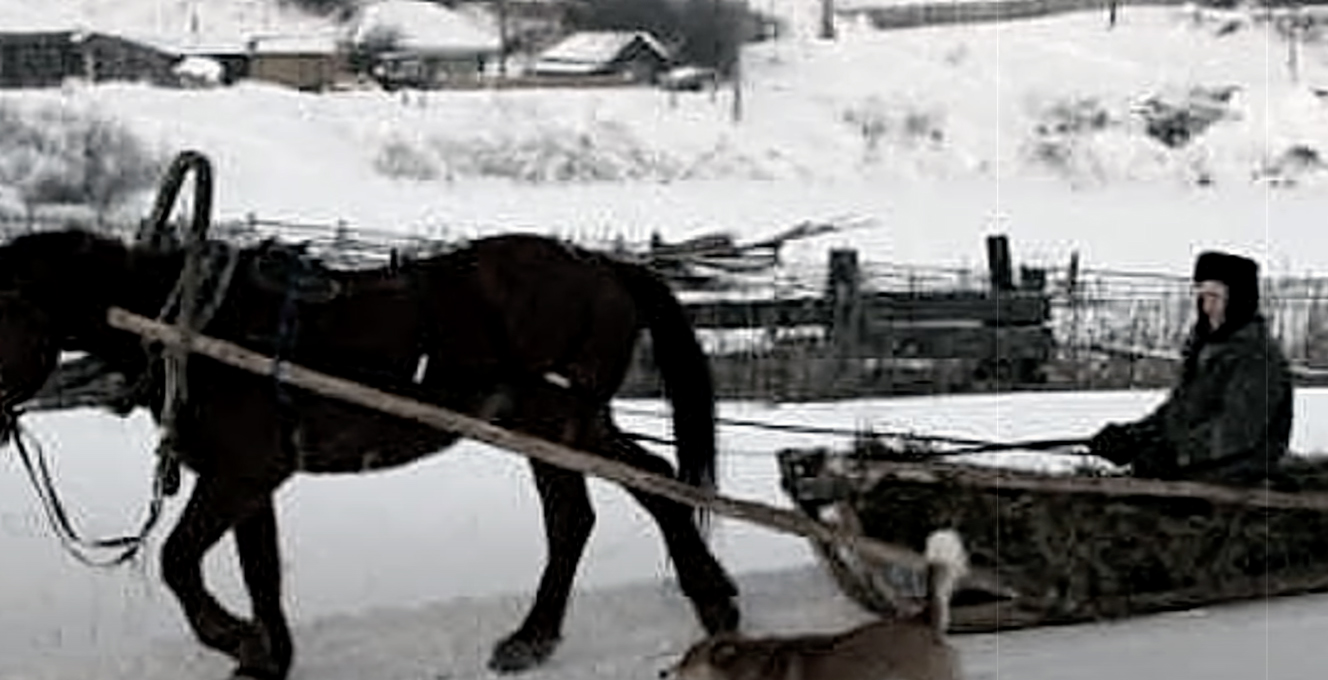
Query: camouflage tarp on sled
point(1071, 547)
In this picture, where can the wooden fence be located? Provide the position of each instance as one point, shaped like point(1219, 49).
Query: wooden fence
point(1122, 329)
point(861, 329)
point(852, 341)
point(915, 14)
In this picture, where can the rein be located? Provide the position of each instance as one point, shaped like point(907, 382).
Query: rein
point(73, 541)
point(205, 264)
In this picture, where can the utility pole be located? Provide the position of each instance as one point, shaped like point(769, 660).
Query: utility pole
point(193, 20)
point(827, 19)
point(737, 84)
point(1293, 40)
point(502, 39)
point(717, 49)
point(739, 29)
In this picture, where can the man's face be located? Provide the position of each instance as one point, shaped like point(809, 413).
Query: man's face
point(1212, 297)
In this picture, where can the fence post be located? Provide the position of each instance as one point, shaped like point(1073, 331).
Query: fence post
point(1002, 281)
point(998, 263)
point(1314, 320)
point(1072, 292)
point(844, 296)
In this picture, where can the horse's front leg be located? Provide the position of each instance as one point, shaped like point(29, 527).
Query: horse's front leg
point(568, 520)
point(214, 507)
point(267, 655)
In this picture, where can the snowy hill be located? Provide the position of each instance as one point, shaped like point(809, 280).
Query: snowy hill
point(175, 19)
point(940, 134)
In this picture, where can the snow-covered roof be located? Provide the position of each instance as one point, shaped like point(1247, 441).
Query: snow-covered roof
point(595, 47)
point(22, 19)
point(313, 43)
point(565, 68)
point(170, 20)
point(320, 42)
point(425, 27)
point(185, 45)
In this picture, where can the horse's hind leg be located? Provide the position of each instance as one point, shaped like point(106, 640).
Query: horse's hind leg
point(268, 655)
point(700, 576)
point(214, 507)
point(568, 520)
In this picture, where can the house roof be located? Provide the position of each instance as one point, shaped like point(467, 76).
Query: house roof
point(321, 43)
point(425, 27)
point(313, 43)
point(595, 48)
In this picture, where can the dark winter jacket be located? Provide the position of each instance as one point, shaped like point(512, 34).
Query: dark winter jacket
point(1227, 419)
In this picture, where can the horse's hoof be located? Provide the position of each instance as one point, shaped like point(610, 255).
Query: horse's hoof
point(255, 674)
point(514, 654)
point(719, 616)
point(256, 660)
point(247, 672)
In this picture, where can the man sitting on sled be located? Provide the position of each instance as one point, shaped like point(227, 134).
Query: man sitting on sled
point(1228, 419)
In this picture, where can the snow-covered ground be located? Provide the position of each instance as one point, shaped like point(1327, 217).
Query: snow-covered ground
point(375, 579)
point(929, 133)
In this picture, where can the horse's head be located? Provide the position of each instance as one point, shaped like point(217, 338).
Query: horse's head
point(73, 276)
point(51, 263)
point(29, 354)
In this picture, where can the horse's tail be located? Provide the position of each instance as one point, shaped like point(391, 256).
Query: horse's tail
point(685, 371)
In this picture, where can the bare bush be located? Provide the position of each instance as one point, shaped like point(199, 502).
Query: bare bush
point(1060, 132)
point(59, 156)
point(907, 124)
point(603, 154)
point(399, 160)
point(1073, 116)
point(1176, 119)
point(871, 121)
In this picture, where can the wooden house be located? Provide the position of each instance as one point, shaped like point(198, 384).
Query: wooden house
point(635, 55)
point(312, 63)
point(422, 44)
point(46, 58)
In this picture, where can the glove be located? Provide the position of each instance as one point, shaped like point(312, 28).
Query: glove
point(1113, 442)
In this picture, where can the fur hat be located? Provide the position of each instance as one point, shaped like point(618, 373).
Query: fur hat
point(1240, 274)
point(1233, 270)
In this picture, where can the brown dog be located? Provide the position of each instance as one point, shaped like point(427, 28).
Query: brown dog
point(899, 649)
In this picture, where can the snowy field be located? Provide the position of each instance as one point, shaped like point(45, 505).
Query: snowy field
point(931, 133)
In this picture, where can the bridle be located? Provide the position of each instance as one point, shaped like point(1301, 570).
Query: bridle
point(157, 233)
point(33, 457)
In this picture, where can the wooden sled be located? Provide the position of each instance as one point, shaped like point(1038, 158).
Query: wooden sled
point(1068, 548)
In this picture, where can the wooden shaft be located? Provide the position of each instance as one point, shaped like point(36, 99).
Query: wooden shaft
point(774, 518)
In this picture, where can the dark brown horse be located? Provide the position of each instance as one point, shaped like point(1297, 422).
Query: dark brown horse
point(526, 331)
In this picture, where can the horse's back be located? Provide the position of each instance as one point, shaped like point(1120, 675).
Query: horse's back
point(546, 305)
